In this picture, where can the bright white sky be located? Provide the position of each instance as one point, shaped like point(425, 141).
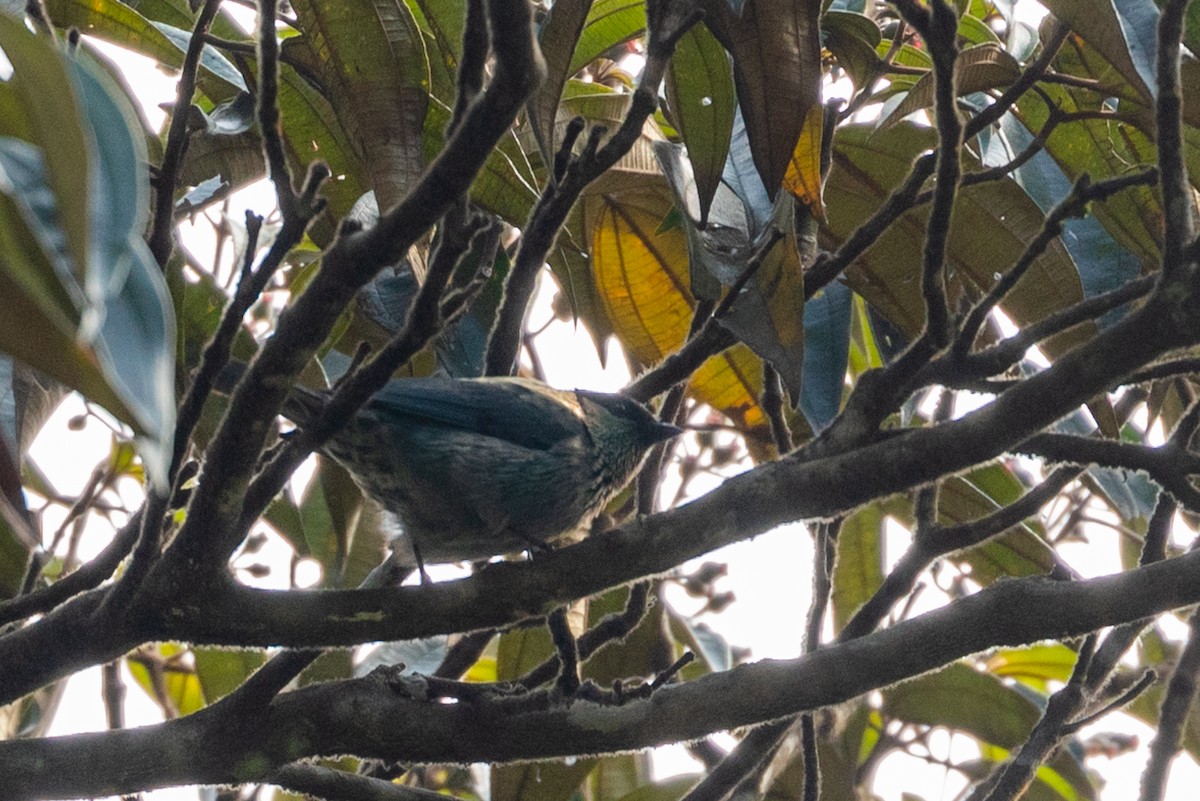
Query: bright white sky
point(769, 575)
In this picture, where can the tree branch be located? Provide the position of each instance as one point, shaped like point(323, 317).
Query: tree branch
point(373, 718)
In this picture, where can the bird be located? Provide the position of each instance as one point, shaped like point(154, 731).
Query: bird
point(476, 468)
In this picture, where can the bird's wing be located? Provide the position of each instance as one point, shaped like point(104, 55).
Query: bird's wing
point(515, 411)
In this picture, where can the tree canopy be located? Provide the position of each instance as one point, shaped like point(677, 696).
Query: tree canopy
point(962, 300)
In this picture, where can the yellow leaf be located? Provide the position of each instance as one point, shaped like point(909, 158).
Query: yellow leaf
point(641, 274)
point(642, 279)
point(803, 177)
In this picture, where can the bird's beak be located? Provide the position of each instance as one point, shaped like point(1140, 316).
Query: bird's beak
point(665, 431)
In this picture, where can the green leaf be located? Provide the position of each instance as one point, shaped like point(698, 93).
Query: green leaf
point(852, 38)
point(1153, 649)
point(702, 101)
point(1036, 665)
point(375, 72)
point(31, 238)
point(1018, 552)
point(1102, 147)
point(858, 572)
point(975, 31)
point(768, 314)
point(222, 671)
point(180, 14)
point(180, 685)
point(960, 697)
point(329, 513)
point(838, 755)
point(211, 60)
point(609, 23)
point(1125, 35)
point(633, 655)
point(618, 775)
point(571, 264)
point(505, 185)
point(445, 20)
point(636, 170)
point(134, 326)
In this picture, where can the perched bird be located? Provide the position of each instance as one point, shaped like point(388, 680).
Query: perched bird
point(479, 467)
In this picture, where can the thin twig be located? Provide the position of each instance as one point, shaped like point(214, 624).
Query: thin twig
point(1178, 201)
point(1172, 716)
point(1073, 205)
point(163, 225)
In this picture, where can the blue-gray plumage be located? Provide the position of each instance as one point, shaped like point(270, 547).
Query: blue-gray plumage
point(479, 467)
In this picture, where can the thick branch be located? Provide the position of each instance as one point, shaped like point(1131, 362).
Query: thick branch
point(374, 718)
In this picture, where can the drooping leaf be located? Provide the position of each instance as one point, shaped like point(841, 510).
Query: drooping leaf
point(558, 38)
point(702, 101)
point(776, 52)
point(826, 351)
point(1123, 32)
point(1103, 264)
point(741, 176)
point(134, 326)
point(980, 68)
point(99, 308)
point(1132, 218)
point(641, 275)
point(767, 314)
point(329, 513)
point(858, 571)
point(803, 176)
point(58, 129)
point(642, 281)
point(852, 38)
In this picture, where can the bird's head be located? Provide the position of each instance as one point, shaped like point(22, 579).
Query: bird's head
point(622, 432)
